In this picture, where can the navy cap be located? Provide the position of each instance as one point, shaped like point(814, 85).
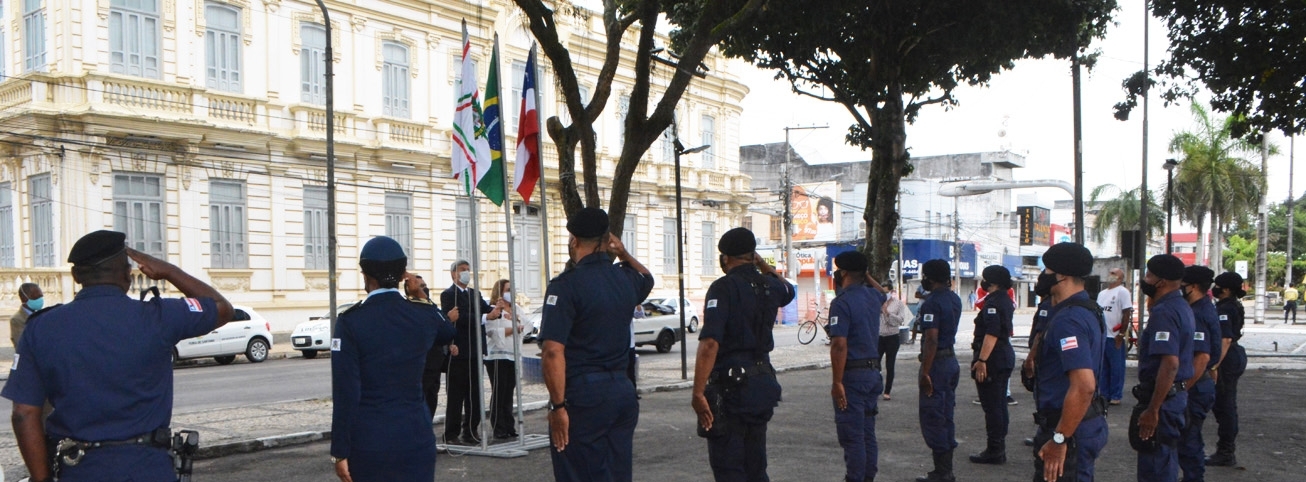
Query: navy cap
point(1070, 259)
point(1231, 281)
point(97, 247)
point(997, 274)
point(588, 223)
point(737, 242)
point(851, 261)
point(382, 248)
point(1198, 275)
point(1166, 266)
point(936, 270)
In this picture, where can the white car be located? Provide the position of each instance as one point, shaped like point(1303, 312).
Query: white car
point(312, 336)
point(660, 324)
point(669, 300)
point(246, 334)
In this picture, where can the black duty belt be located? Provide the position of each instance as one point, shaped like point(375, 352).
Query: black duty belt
point(1143, 391)
point(1050, 417)
point(740, 372)
point(940, 353)
point(69, 451)
point(867, 364)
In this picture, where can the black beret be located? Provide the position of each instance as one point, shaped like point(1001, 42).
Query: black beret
point(1166, 266)
point(737, 242)
point(1231, 281)
point(588, 223)
point(1198, 275)
point(997, 274)
point(382, 248)
point(97, 247)
point(851, 261)
point(936, 270)
point(1069, 259)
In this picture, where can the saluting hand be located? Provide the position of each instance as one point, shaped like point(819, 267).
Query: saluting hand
point(1054, 460)
point(342, 471)
point(558, 427)
point(155, 268)
point(703, 409)
point(615, 247)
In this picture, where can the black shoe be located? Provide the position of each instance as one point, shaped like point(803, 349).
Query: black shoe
point(1221, 459)
point(1012, 401)
point(990, 456)
point(468, 439)
point(942, 469)
point(1029, 442)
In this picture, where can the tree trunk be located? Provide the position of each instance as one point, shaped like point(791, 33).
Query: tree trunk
point(1201, 244)
point(1217, 244)
point(888, 164)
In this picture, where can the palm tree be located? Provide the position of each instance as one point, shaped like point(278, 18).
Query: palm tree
point(1213, 180)
point(1122, 211)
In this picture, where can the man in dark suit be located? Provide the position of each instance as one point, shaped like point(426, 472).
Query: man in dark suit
point(462, 411)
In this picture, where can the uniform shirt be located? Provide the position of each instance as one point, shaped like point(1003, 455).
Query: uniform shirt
point(1073, 341)
point(1041, 317)
point(1114, 302)
point(1230, 314)
point(731, 310)
point(941, 310)
point(855, 315)
point(588, 309)
point(995, 318)
point(1169, 332)
point(377, 358)
point(1206, 332)
point(461, 298)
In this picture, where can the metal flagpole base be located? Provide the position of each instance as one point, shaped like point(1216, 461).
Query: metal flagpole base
point(506, 450)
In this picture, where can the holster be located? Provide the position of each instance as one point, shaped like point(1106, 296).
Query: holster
point(715, 402)
point(1143, 393)
point(1070, 471)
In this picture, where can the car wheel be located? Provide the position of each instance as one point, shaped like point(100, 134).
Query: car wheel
point(174, 356)
point(309, 354)
point(225, 360)
point(665, 340)
point(257, 351)
point(693, 325)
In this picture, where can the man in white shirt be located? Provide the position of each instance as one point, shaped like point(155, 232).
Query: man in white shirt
point(1118, 307)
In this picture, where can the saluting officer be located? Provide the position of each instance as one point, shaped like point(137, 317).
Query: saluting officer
point(735, 389)
point(1233, 360)
point(993, 361)
point(104, 361)
point(1206, 356)
point(1165, 360)
point(586, 333)
point(380, 424)
point(1072, 430)
point(940, 315)
point(855, 364)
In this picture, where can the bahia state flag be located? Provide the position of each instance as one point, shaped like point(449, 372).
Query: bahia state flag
point(527, 170)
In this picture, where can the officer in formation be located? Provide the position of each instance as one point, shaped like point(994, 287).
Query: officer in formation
point(586, 334)
point(940, 315)
point(105, 361)
point(1165, 361)
point(461, 303)
point(1072, 427)
point(417, 291)
point(1206, 355)
point(380, 430)
point(735, 389)
point(993, 361)
point(1233, 360)
point(855, 364)
point(1036, 329)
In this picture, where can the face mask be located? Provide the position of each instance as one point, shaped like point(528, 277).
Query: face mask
point(1046, 280)
point(465, 277)
point(1116, 279)
point(1148, 289)
point(507, 296)
point(838, 281)
point(927, 285)
point(36, 304)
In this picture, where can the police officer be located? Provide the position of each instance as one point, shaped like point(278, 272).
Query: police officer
point(940, 315)
point(1036, 329)
point(1206, 355)
point(735, 389)
point(105, 361)
point(1072, 430)
point(993, 360)
point(461, 303)
point(1233, 360)
point(1165, 361)
point(586, 333)
point(381, 429)
point(855, 364)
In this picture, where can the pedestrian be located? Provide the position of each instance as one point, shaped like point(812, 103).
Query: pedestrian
point(417, 291)
point(1206, 355)
point(1118, 306)
point(104, 361)
point(893, 316)
point(462, 304)
point(855, 364)
point(585, 332)
point(940, 315)
point(735, 390)
point(1233, 361)
point(1290, 303)
point(1070, 415)
point(380, 426)
point(992, 362)
point(32, 299)
point(504, 336)
point(1165, 360)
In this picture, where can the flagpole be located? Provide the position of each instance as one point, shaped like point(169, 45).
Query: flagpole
point(544, 198)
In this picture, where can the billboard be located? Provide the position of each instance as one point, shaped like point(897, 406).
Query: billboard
point(814, 211)
point(1035, 225)
point(915, 252)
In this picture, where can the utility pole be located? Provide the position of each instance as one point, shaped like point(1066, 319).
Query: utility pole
point(791, 260)
point(956, 247)
point(1079, 151)
point(1262, 232)
point(331, 169)
point(1292, 198)
point(1140, 241)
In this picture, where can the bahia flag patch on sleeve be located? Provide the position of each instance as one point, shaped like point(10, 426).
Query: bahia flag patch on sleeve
point(194, 305)
point(1069, 343)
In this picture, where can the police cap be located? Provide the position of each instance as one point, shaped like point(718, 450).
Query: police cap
point(1070, 259)
point(936, 270)
point(97, 247)
point(1231, 281)
point(588, 223)
point(737, 242)
point(851, 261)
point(1198, 275)
point(382, 248)
point(1166, 266)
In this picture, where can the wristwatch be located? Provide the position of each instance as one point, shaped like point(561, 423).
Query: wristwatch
point(1058, 438)
point(336, 460)
point(553, 407)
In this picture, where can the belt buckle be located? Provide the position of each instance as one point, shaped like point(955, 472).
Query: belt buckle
point(66, 446)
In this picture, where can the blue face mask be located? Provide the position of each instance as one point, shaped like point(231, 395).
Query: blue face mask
point(36, 304)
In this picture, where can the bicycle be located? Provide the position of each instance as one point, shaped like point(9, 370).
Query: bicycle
point(807, 329)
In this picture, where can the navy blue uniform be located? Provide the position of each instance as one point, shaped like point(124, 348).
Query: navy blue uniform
point(1230, 312)
point(995, 319)
point(588, 310)
point(739, 319)
point(1169, 331)
point(462, 413)
point(1072, 340)
point(379, 419)
point(104, 361)
point(855, 315)
point(941, 310)
point(1201, 396)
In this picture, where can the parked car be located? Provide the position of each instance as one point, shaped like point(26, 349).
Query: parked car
point(660, 325)
point(532, 322)
point(313, 335)
point(246, 334)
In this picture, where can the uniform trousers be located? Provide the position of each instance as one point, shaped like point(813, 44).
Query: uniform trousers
point(391, 466)
point(993, 399)
point(602, 413)
point(936, 412)
point(1162, 465)
point(855, 425)
point(1192, 450)
point(1090, 438)
point(1226, 399)
point(121, 463)
point(739, 454)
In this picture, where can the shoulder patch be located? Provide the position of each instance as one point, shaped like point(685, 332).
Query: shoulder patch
point(552, 300)
point(1162, 336)
point(1199, 335)
point(194, 305)
point(1224, 317)
point(1043, 313)
point(834, 320)
point(928, 317)
point(1069, 343)
point(15, 365)
point(992, 311)
point(335, 344)
point(711, 304)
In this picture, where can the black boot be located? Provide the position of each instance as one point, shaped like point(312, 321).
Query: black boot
point(995, 453)
point(942, 469)
point(1029, 442)
point(1221, 459)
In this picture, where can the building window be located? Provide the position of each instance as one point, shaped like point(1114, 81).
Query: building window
point(222, 44)
point(669, 245)
point(138, 211)
point(134, 37)
point(399, 220)
point(628, 233)
point(42, 221)
point(312, 63)
point(708, 127)
point(747, 222)
point(315, 228)
point(33, 36)
point(623, 110)
point(227, 245)
point(776, 228)
point(709, 241)
point(463, 229)
point(584, 101)
point(395, 93)
point(3, 46)
point(515, 100)
point(7, 258)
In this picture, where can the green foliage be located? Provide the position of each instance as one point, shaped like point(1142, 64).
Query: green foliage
point(1123, 211)
point(1244, 249)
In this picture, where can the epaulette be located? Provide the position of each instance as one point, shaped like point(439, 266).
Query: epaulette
point(41, 311)
point(420, 301)
point(351, 308)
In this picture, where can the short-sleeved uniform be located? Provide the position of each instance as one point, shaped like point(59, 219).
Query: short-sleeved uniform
point(588, 310)
point(855, 315)
point(104, 361)
point(1201, 396)
point(739, 315)
point(941, 310)
point(1072, 341)
point(462, 414)
point(995, 319)
point(1230, 313)
point(1169, 331)
point(379, 417)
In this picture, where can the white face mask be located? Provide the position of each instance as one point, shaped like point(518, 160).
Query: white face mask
point(465, 277)
point(507, 296)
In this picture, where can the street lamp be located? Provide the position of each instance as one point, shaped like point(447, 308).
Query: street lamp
point(1169, 204)
point(680, 247)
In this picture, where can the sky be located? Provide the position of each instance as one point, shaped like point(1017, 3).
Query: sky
point(1027, 110)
